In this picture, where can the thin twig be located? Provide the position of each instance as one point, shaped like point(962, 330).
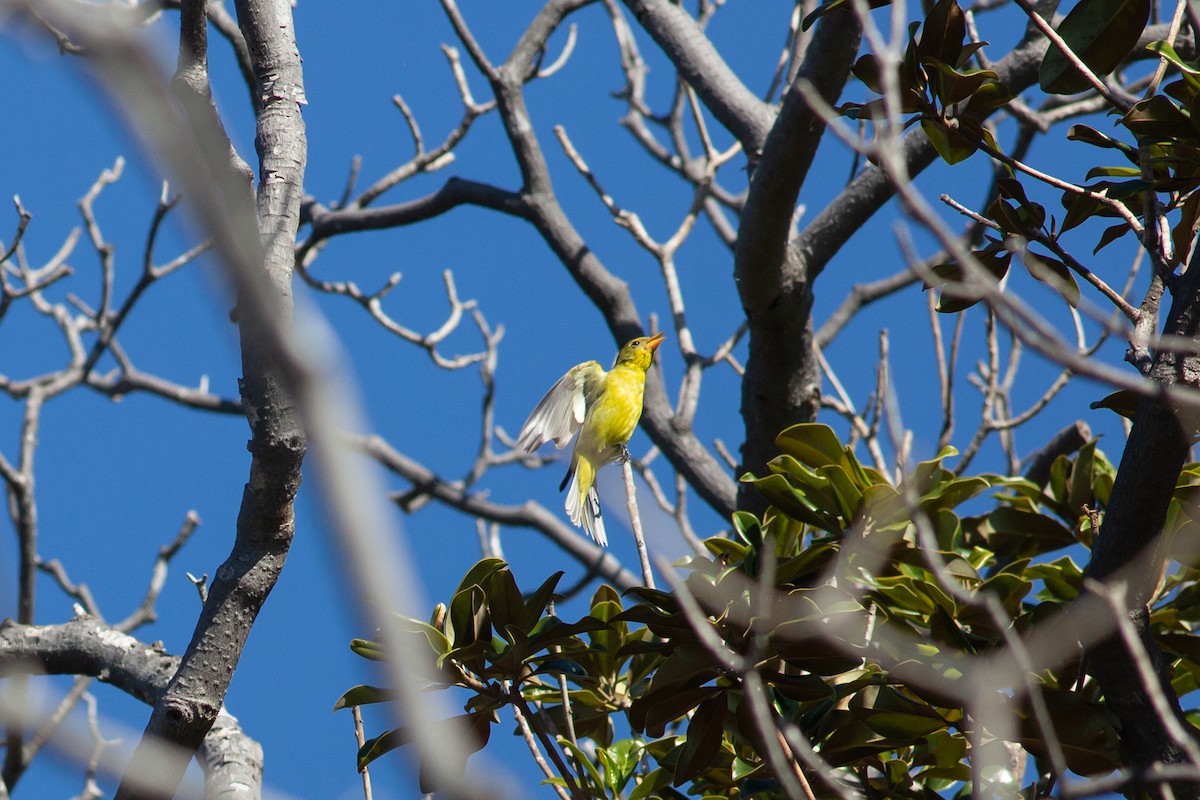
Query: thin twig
point(361, 739)
point(635, 521)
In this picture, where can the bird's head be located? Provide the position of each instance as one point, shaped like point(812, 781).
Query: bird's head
point(639, 352)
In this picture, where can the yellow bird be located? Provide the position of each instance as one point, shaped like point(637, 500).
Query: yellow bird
point(607, 406)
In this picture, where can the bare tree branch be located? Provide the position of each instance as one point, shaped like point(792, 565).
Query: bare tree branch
point(85, 646)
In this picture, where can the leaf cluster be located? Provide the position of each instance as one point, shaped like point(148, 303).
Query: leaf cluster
point(937, 85)
point(851, 614)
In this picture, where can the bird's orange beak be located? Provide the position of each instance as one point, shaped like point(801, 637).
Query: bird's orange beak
point(656, 340)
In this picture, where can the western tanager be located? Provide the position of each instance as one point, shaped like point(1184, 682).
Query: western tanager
point(607, 406)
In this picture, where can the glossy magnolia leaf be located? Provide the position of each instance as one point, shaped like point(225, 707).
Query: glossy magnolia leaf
point(986, 98)
point(1184, 645)
point(585, 768)
point(950, 494)
point(1122, 401)
point(689, 665)
point(621, 761)
point(1158, 118)
point(812, 561)
point(901, 726)
point(806, 688)
point(1085, 732)
point(656, 785)
point(478, 726)
point(850, 739)
point(1089, 135)
point(1184, 91)
point(946, 632)
point(375, 747)
point(1168, 52)
point(995, 262)
point(479, 573)
point(1054, 274)
point(367, 648)
point(1015, 530)
point(867, 69)
point(506, 605)
point(469, 620)
point(1010, 589)
point(906, 595)
point(812, 444)
point(845, 495)
point(1024, 218)
point(561, 666)
point(606, 606)
point(552, 631)
point(653, 712)
point(1110, 235)
point(825, 8)
point(703, 741)
point(951, 145)
point(748, 528)
point(1084, 471)
point(1080, 208)
point(1012, 189)
point(942, 34)
point(954, 86)
point(536, 605)
point(726, 549)
point(1128, 192)
point(362, 696)
point(873, 110)
point(1113, 172)
point(1102, 33)
point(794, 502)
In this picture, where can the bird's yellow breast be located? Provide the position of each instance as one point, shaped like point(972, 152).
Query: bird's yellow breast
point(615, 414)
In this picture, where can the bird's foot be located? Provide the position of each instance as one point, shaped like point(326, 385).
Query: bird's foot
point(622, 453)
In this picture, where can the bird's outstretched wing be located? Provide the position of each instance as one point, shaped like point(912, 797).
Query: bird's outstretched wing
point(562, 411)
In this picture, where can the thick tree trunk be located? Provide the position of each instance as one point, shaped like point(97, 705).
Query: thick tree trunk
point(1129, 548)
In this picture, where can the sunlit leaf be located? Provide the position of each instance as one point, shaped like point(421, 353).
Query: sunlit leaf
point(362, 696)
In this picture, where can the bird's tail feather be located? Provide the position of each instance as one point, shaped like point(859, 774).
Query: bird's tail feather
point(583, 504)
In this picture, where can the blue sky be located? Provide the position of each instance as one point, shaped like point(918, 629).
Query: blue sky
point(116, 479)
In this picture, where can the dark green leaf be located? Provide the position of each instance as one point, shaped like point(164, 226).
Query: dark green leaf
point(479, 573)
point(469, 620)
point(1122, 401)
point(988, 97)
point(652, 712)
point(1110, 235)
point(536, 605)
point(362, 696)
point(1054, 274)
point(375, 747)
point(367, 648)
point(812, 444)
point(825, 8)
point(1102, 33)
point(951, 145)
point(505, 603)
point(1158, 118)
point(1089, 135)
point(703, 739)
point(942, 33)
